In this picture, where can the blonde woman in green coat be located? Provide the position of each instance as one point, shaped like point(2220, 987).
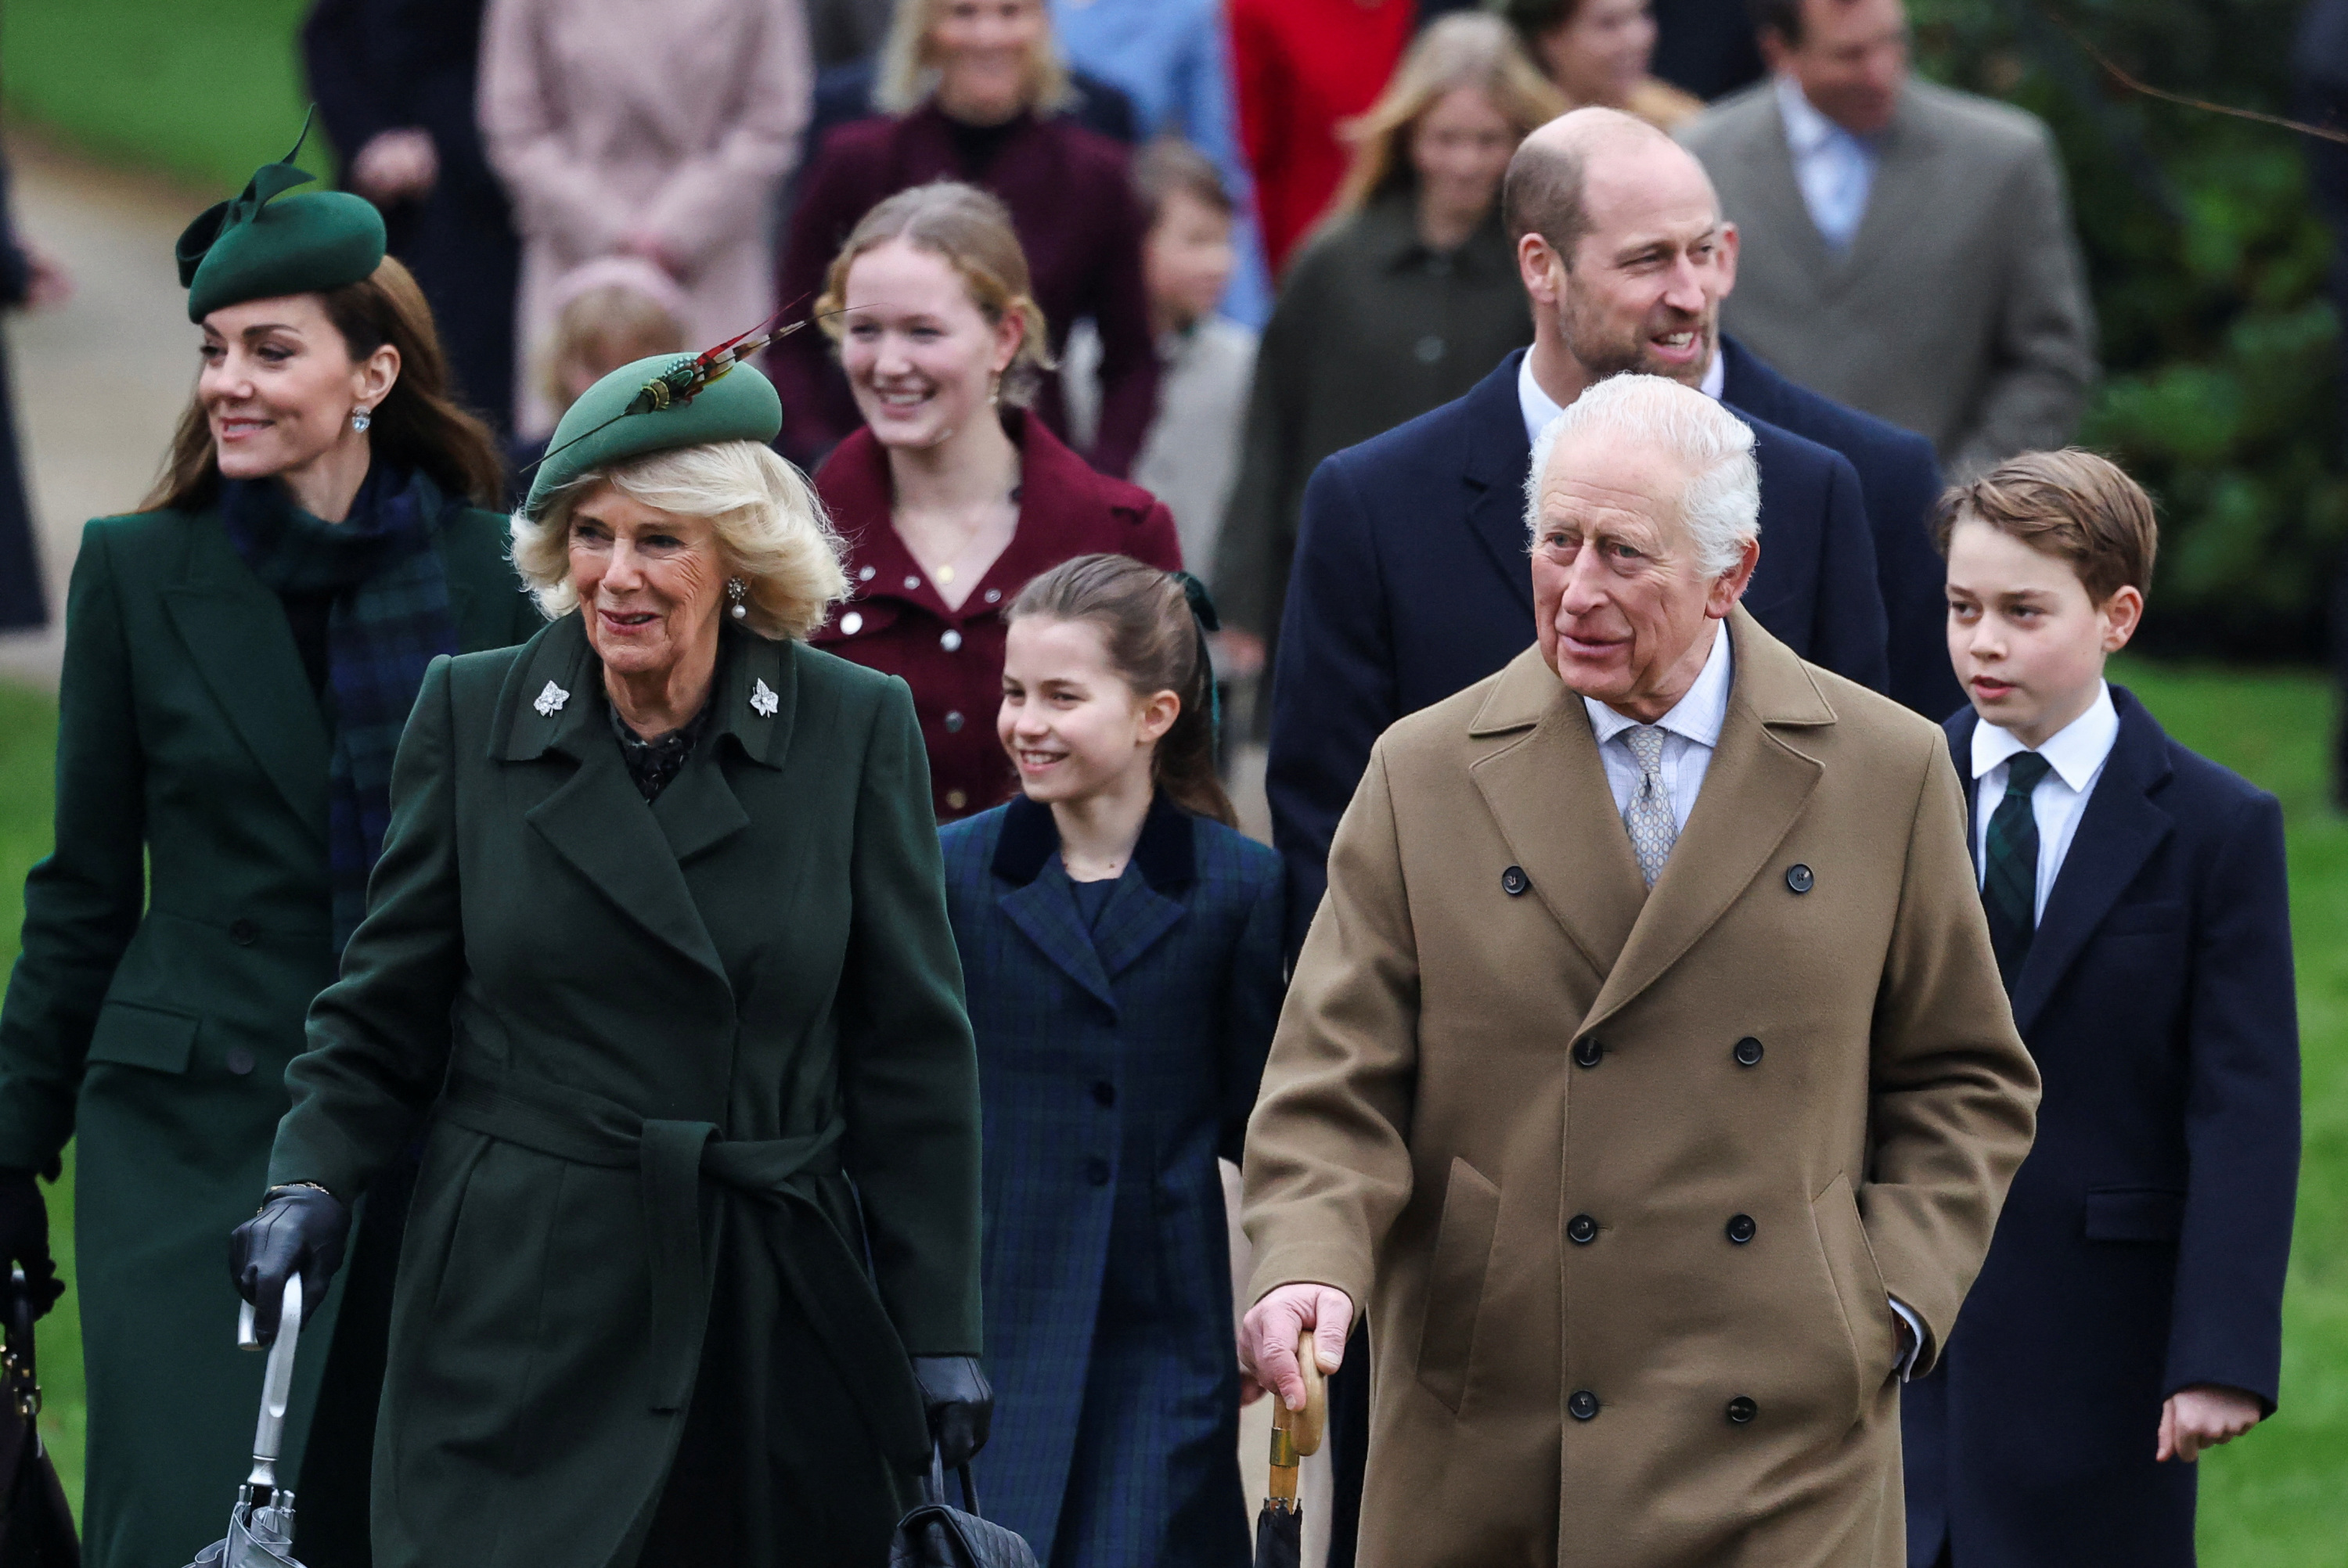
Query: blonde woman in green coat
point(240, 656)
point(659, 943)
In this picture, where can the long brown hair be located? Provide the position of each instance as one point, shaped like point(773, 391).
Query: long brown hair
point(1461, 50)
point(417, 425)
point(1154, 645)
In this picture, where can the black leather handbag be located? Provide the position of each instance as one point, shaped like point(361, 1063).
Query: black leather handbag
point(936, 1534)
point(36, 1527)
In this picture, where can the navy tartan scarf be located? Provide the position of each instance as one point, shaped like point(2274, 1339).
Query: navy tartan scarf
point(388, 620)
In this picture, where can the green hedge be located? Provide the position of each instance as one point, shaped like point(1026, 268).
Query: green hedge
point(2207, 263)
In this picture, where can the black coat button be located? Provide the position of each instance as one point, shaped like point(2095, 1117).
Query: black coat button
point(244, 933)
point(1581, 1229)
point(1513, 881)
point(1097, 1173)
point(239, 1061)
point(1587, 1053)
point(1105, 1092)
point(1742, 1409)
point(1749, 1052)
point(1799, 879)
point(1741, 1228)
point(1581, 1404)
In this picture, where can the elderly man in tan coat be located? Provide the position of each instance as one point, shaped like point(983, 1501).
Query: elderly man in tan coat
point(1646, 1073)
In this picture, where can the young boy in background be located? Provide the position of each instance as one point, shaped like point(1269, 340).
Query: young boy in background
point(2128, 1313)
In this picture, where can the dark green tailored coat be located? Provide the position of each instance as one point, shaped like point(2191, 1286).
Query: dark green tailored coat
point(172, 944)
point(686, 1063)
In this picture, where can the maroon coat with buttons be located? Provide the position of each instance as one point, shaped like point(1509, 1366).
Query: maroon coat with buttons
point(1074, 209)
point(895, 621)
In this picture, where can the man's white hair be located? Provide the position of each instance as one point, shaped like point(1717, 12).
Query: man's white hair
point(1722, 503)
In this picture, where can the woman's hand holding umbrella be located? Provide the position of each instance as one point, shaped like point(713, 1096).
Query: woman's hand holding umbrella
point(299, 1229)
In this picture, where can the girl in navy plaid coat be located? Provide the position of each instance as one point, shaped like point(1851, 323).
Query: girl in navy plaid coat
point(1121, 945)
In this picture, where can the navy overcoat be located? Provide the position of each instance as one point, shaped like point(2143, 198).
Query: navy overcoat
point(1412, 581)
point(1114, 1064)
point(2142, 1245)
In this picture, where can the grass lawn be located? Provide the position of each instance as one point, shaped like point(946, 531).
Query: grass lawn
point(207, 90)
point(2278, 1499)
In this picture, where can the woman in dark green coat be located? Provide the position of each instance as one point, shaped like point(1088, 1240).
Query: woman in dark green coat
point(240, 656)
point(659, 943)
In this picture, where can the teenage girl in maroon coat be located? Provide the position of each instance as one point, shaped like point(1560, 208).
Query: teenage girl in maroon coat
point(953, 495)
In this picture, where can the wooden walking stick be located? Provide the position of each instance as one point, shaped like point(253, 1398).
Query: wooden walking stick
point(1297, 1433)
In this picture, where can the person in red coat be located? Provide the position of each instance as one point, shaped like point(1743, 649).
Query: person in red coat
point(978, 92)
point(953, 494)
point(1301, 70)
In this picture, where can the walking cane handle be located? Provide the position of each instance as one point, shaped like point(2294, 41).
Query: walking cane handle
point(1306, 1425)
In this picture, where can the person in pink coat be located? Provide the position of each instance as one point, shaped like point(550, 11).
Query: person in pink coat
point(660, 128)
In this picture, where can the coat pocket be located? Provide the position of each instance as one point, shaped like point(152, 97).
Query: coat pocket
point(1455, 1284)
point(132, 1036)
point(2136, 1213)
point(1858, 1288)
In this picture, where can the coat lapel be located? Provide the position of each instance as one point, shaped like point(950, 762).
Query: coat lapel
point(1756, 789)
point(1142, 909)
point(1547, 790)
point(1899, 199)
point(699, 810)
point(595, 819)
point(1039, 900)
point(1786, 215)
point(238, 639)
point(1494, 475)
point(2119, 829)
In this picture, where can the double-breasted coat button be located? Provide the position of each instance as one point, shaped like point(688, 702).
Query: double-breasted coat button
point(953, 724)
point(1749, 1052)
point(1582, 1230)
point(1741, 1228)
point(851, 624)
point(1799, 879)
point(1587, 1053)
point(1105, 1091)
point(951, 641)
point(1742, 1409)
point(1581, 1404)
point(865, 575)
point(244, 933)
point(911, 583)
point(994, 596)
point(1097, 1172)
point(239, 1061)
point(1513, 881)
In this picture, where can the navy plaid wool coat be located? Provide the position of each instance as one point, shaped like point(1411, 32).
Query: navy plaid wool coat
point(1114, 1064)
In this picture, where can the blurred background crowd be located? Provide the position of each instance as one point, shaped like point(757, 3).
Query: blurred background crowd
point(1261, 232)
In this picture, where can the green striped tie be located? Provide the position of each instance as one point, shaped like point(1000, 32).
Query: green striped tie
point(2009, 867)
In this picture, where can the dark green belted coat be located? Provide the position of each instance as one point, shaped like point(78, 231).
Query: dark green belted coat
point(172, 943)
point(701, 1058)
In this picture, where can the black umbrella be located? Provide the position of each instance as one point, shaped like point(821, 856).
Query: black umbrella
point(1280, 1528)
point(260, 1525)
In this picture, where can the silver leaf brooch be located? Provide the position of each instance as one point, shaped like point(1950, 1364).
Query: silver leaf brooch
point(763, 700)
point(550, 701)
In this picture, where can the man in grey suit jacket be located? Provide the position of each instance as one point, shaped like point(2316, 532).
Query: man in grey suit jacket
point(1908, 250)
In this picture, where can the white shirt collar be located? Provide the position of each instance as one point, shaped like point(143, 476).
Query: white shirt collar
point(1698, 714)
point(1807, 129)
point(1539, 408)
point(2074, 751)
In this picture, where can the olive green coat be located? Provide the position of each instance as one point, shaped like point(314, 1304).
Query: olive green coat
point(670, 1036)
point(172, 945)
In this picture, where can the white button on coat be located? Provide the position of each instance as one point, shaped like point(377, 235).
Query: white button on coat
point(851, 624)
point(952, 640)
point(911, 583)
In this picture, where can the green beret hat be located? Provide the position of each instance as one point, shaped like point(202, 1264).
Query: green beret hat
point(656, 405)
point(259, 247)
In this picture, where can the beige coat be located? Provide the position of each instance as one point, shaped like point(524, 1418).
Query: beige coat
point(678, 115)
point(1425, 1138)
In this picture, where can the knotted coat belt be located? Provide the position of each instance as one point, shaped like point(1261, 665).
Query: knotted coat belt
point(672, 1159)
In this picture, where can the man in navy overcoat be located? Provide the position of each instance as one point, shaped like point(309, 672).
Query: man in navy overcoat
point(1411, 579)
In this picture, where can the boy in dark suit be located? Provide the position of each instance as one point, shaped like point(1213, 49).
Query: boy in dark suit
point(2129, 1314)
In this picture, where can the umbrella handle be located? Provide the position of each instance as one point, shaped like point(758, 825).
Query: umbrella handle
point(1295, 1433)
point(277, 1384)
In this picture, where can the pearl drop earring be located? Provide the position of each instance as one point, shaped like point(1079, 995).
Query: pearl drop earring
point(361, 419)
point(737, 590)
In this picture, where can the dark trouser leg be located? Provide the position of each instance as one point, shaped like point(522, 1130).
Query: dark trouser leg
point(1349, 1445)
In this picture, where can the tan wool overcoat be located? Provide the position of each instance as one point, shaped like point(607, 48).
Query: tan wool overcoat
point(1626, 1177)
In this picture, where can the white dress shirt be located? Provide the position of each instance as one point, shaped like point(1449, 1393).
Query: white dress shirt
point(1834, 167)
point(1539, 408)
point(2074, 756)
point(1691, 732)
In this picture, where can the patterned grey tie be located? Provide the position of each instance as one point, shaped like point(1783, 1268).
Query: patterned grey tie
point(1649, 815)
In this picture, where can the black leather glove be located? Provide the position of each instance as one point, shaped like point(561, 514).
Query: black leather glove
point(298, 1230)
point(960, 1404)
point(24, 1239)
